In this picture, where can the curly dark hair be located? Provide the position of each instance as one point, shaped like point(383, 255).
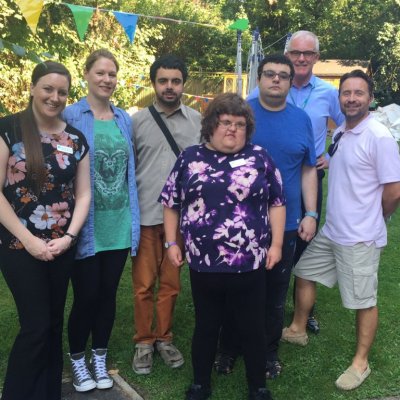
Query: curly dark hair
point(226, 103)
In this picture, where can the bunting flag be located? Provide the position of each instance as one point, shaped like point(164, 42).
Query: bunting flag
point(128, 22)
point(240, 24)
point(31, 10)
point(82, 16)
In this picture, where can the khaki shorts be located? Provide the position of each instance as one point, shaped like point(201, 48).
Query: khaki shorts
point(354, 268)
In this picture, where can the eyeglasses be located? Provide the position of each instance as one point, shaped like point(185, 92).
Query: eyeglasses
point(240, 126)
point(306, 54)
point(334, 146)
point(269, 74)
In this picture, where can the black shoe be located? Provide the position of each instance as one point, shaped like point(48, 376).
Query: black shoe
point(312, 325)
point(198, 392)
point(273, 369)
point(224, 363)
point(260, 394)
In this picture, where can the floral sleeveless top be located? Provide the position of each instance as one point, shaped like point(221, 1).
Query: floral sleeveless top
point(48, 214)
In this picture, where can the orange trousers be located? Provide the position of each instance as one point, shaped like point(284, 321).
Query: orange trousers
point(149, 266)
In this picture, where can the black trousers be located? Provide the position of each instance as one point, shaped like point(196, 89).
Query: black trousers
point(95, 282)
point(39, 289)
point(276, 287)
point(245, 295)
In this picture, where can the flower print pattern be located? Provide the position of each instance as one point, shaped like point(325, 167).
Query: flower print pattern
point(62, 160)
point(16, 171)
point(61, 213)
point(47, 214)
point(224, 209)
point(42, 217)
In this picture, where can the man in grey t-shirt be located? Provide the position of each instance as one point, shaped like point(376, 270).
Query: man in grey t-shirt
point(155, 159)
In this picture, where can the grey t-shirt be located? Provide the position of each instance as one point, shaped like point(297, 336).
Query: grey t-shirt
point(154, 156)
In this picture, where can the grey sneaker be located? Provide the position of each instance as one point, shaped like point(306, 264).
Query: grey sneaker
point(143, 358)
point(81, 378)
point(170, 354)
point(99, 369)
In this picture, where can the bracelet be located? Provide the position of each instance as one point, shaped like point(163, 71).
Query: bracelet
point(311, 214)
point(73, 237)
point(167, 245)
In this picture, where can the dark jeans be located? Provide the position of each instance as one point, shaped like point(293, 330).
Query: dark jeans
point(245, 295)
point(276, 283)
point(95, 282)
point(39, 289)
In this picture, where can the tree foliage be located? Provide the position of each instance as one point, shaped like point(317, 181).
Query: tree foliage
point(348, 29)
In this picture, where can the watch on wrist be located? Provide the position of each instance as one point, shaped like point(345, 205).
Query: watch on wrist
point(74, 238)
point(167, 245)
point(311, 214)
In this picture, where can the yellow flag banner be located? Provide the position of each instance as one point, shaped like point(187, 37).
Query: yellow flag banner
point(31, 10)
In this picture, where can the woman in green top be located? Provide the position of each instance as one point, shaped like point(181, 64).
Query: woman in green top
point(112, 226)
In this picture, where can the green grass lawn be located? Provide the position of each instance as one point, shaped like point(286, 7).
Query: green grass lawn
point(308, 373)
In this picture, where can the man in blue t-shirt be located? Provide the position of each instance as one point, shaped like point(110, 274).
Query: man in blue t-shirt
point(285, 131)
point(320, 100)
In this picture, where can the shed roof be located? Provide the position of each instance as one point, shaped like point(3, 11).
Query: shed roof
point(339, 67)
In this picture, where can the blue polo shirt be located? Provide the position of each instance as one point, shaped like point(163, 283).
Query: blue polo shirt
point(287, 135)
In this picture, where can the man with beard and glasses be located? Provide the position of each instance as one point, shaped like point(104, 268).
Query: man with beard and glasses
point(363, 190)
point(155, 159)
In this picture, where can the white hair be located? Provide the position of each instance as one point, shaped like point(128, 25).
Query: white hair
point(304, 34)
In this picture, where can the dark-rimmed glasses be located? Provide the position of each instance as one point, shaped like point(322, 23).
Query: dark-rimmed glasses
point(240, 126)
point(269, 74)
point(334, 146)
point(308, 54)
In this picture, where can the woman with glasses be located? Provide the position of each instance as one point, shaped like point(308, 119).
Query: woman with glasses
point(227, 195)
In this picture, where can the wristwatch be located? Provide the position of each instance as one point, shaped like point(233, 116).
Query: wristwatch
point(74, 238)
point(312, 214)
point(167, 245)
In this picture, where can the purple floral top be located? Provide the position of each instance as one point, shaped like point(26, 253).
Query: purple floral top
point(223, 201)
point(49, 214)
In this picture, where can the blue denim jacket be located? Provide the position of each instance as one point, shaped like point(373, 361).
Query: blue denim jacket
point(80, 116)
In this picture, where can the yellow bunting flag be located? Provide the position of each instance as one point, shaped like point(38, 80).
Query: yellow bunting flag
point(31, 10)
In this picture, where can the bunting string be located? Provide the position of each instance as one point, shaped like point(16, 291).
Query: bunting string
point(31, 10)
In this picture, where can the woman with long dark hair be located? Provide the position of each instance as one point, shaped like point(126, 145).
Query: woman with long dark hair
point(44, 201)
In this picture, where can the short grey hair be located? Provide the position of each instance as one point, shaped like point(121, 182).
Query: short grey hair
point(301, 34)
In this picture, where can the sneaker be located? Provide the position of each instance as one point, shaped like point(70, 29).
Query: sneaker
point(260, 394)
point(170, 354)
point(99, 369)
point(224, 363)
point(312, 325)
point(198, 392)
point(143, 358)
point(81, 377)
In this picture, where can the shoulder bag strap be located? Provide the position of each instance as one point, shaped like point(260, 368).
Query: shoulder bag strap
point(164, 130)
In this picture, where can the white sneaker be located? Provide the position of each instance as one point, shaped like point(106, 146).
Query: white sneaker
point(99, 369)
point(81, 377)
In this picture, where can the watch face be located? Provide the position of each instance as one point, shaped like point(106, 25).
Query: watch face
point(166, 245)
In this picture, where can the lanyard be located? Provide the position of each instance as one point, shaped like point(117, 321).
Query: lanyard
point(303, 106)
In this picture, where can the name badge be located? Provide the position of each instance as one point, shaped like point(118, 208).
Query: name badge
point(237, 163)
point(65, 149)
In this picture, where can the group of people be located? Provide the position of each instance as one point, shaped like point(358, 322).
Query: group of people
point(236, 192)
